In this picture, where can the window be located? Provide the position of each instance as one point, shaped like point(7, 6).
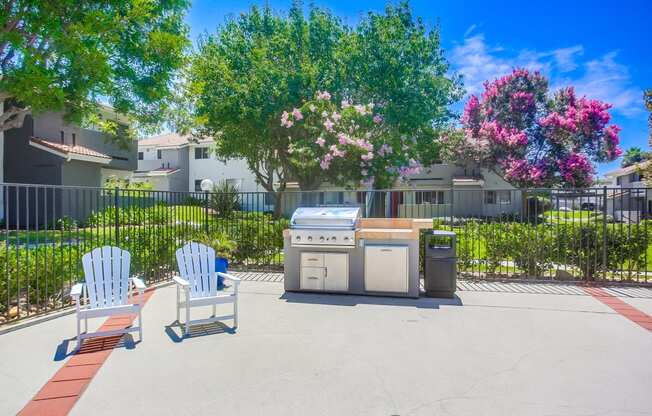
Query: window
point(62, 137)
point(141, 155)
point(497, 197)
point(201, 152)
point(74, 139)
point(619, 180)
point(429, 197)
point(198, 185)
point(234, 183)
point(159, 154)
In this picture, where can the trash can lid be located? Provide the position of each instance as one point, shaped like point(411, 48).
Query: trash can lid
point(443, 233)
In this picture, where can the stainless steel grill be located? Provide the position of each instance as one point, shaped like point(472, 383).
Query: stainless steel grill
point(324, 226)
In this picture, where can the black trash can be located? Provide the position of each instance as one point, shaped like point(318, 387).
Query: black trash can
point(440, 268)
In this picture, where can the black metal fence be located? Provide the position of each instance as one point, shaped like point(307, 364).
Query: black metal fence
point(589, 234)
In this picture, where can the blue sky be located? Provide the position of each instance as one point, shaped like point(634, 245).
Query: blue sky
point(602, 48)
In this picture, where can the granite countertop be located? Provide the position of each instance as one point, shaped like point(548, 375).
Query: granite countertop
point(391, 228)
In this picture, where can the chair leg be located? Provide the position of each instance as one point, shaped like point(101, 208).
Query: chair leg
point(187, 317)
point(178, 305)
point(214, 310)
point(235, 313)
point(140, 324)
point(79, 333)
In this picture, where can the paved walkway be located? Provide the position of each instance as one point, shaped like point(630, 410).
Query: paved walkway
point(488, 352)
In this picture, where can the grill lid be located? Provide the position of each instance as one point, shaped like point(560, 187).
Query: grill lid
point(325, 217)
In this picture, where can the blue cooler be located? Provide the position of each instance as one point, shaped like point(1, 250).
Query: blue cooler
point(221, 265)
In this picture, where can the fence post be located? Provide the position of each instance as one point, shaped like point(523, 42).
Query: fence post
point(116, 201)
point(604, 230)
point(206, 211)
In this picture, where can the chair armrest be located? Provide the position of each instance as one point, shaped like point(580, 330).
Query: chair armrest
point(229, 277)
point(179, 281)
point(138, 283)
point(76, 290)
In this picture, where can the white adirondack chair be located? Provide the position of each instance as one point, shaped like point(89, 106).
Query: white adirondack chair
point(107, 291)
point(198, 280)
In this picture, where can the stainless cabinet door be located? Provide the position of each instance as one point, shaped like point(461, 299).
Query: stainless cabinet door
point(386, 268)
point(336, 267)
point(312, 259)
point(312, 278)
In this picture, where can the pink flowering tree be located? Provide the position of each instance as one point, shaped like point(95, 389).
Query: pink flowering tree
point(345, 144)
point(534, 139)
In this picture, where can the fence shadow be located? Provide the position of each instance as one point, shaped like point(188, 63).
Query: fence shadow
point(354, 300)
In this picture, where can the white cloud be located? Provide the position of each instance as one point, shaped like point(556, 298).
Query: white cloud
point(602, 78)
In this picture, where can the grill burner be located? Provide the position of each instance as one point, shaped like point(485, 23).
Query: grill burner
point(324, 226)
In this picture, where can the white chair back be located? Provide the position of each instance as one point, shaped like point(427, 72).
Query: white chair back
point(197, 266)
point(106, 270)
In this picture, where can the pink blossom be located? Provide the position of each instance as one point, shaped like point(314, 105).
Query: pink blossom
point(329, 125)
point(323, 95)
point(360, 109)
point(296, 113)
point(326, 161)
point(343, 139)
point(336, 116)
point(367, 157)
point(284, 118)
point(337, 152)
point(576, 169)
point(320, 141)
point(346, 104)
point(363, 144)
point(378, 119)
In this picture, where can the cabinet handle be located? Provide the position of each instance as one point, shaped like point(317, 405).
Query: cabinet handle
point(313, 277)
point(385, 249)
point(325, 271)
point(313, 259)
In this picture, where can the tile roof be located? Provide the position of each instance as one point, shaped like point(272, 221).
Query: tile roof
point(629, 169)
point(67, 149)
point(168, 140)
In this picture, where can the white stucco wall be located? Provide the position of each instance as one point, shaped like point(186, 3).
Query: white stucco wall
point(234, 170)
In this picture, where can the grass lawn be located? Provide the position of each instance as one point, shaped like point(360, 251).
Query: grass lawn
point(579, 216)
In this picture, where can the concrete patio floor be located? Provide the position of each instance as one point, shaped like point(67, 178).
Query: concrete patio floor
point(489, 352)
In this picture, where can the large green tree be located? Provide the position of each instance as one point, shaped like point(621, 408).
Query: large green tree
point(396, 62)
point(68, 55)
point(253, 68)
point(261, 64)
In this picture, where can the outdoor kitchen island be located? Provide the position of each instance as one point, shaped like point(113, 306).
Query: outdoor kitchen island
point(332, 250)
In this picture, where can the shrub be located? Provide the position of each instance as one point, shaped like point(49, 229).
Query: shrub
point(65, 223)
point(224, 199)
point(220, 242)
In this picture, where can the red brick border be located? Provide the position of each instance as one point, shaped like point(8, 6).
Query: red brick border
point(623, 308)
point(58, 396)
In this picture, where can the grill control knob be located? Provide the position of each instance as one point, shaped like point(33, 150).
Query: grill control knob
point(346, 238)
point(297, 237)
point(333, 238)
point(321, 238)
point(309, 238)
